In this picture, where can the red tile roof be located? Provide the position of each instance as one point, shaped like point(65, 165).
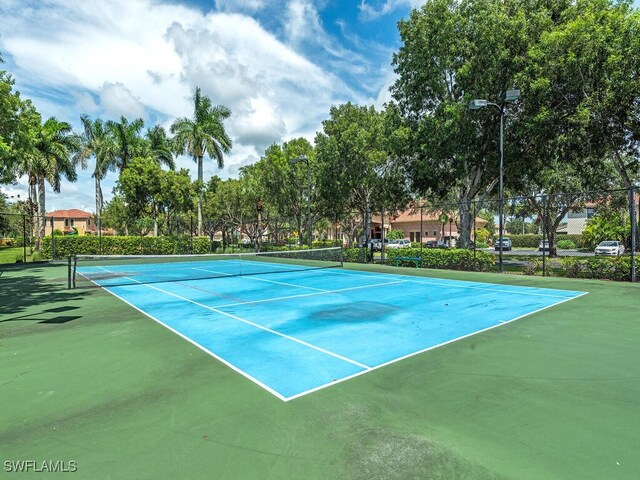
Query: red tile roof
point(73, 213)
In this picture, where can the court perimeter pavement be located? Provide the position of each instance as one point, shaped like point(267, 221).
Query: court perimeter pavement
point(88, 379)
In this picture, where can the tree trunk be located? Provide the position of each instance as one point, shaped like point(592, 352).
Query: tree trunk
point(99, 203)
point(200, 180)
point(366, 225)
point(465, 222)
point(33, 205)
point(155, 221)
point(41, 212)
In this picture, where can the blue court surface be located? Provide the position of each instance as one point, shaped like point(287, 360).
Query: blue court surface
point(295, 332)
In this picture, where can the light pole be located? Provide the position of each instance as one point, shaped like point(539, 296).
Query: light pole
point(293, 161)
point(507, 97)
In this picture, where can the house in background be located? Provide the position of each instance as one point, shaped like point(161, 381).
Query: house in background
point(432, 228)
point(66, 220)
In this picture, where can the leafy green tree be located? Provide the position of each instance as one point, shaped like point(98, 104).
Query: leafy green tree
point(284, 185)
point(115, 214)
point(395, 234)
point(17, 118)
point(224, 205)
point(607, 224)
point(140, 186)
point(354, 159)
point(176, 194)
point(453, 52)
point(582, 89)
point(202, 134)
point(5, 223)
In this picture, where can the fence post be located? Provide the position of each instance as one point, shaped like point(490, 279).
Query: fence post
point(100, 235)
point(634, 226)
point(544, 235)
point(475, 240)
point(53, 241)
point(24, 238)
point(191, 234)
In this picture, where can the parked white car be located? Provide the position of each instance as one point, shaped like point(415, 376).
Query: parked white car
point(610, 247)
point(398, 243)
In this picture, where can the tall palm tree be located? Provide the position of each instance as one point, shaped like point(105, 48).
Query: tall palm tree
point(99, 142)
point(55, 144)
point(128, 139)
point(202, 134)
point(159, 147)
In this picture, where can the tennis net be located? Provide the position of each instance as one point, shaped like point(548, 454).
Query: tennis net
point(116, 270)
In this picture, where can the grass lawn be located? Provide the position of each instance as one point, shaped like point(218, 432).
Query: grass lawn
point(89, 379)
point(10, 254)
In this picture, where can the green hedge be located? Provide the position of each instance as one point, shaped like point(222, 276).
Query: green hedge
point(616, 268)
point(449, 259)
point(112, 245)
point(454, 259)
point(533, 240)
point(356, 255)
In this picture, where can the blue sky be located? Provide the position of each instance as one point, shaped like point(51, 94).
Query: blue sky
point(279, 65)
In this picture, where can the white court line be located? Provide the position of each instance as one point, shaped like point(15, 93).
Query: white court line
point(366, 368)
point(357, 374)
point(251, 277)
point(204, 349)
point(431, 282)
point(248, 322)
point(303, 295)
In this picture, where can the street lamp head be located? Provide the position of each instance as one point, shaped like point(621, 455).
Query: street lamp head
point(478, 103)
point(301, 158)
point(511, 95)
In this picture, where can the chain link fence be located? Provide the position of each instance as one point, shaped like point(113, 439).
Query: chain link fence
point(16, 237)
point(582, 235)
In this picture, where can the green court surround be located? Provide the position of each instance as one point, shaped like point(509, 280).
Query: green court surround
point(86, 378)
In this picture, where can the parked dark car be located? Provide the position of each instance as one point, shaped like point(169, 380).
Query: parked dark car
point(435, 244)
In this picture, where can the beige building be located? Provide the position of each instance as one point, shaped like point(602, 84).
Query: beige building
point(68, 220)
point(421, 228)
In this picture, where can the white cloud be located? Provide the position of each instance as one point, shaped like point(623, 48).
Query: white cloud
point(240, 5)
point(84, 102)
point(369, 12)
point(145, 58)
point(117, 100)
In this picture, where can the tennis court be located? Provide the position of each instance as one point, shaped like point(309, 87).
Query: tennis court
point(554, 395)
point(295, 324)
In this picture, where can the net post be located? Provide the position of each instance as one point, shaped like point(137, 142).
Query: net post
point(69, 272)
point(73, 270)
point(342, 255)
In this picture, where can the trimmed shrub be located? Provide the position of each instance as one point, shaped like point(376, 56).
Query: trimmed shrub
point(566, 244)
point(323, 243)
point(117, 245)
point(616, 268)
point(525, 241)
point(533, 240)
point(356, 255)
point(450, 259)
point(532, 268)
